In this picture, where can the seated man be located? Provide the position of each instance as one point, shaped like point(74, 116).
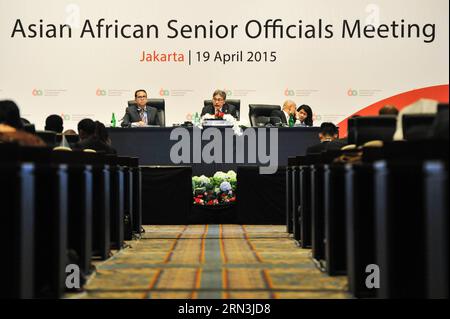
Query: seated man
point(219, 105)
point(289, 108)
point(91, 137)
point(328, 133)
point(54, 123)
point(388, 110)
point(141, 114)
point(11, 127)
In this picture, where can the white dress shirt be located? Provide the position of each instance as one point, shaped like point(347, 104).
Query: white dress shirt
point(287, 115)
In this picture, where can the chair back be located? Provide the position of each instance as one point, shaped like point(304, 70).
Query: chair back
point(369, 128)
point(258, 113)
point(417, 126)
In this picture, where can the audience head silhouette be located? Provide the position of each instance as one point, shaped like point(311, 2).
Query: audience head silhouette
point(54, 123)
point(10, 114)
point(86, 128)
point(69, 132)
point(101, 133)
point(328, 132)
point(388, 110)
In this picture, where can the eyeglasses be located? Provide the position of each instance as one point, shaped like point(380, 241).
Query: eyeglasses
point(218, 99)
point(141, 97)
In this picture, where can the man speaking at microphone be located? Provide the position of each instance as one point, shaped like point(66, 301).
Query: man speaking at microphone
point(141, 114)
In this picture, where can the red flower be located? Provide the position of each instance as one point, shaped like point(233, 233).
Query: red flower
point(210, 202)
point(219, 115)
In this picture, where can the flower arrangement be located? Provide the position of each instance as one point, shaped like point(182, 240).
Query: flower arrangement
point(219, 115)
point(219, 189)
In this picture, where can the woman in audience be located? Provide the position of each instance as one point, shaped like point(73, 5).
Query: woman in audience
point(304, 116)
point(102, 133)
point(11, 126)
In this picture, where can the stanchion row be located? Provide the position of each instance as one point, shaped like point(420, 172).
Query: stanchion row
point(62, 208)
point(378, 215)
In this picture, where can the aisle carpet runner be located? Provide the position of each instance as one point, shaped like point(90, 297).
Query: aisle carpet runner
point(213, 262)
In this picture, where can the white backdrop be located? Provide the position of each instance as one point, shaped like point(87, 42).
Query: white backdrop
point(93, 77)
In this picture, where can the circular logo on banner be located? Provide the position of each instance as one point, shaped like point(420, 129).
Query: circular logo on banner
point(351, 92)
point(37, 92)
point(288, 92)
point(100, 92)
point(163, 92)
point(228, 92)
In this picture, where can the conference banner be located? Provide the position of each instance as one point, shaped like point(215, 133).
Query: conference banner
point(85, 59)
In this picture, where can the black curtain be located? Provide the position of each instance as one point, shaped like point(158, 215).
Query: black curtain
point(166, 195)
point(261, 198)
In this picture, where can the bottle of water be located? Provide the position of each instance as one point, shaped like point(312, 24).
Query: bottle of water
point(196, 119)
point(291, 121)
point(113, 120)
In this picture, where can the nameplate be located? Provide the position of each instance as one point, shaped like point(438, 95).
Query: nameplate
point(217, 123)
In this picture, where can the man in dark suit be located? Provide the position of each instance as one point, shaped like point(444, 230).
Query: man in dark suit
point(289, 108)
point(141, 114)
point(328, 133)
point(219, 105)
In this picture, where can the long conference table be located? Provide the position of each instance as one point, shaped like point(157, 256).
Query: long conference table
point(153, 146)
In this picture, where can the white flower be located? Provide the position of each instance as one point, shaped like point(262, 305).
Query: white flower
point(208, 116)
point(230, 118)
point(231, 174)
point(225, 186)
point(220, 175)
point(204, 180)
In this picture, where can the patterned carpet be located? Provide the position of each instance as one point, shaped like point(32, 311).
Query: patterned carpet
point(213, 262)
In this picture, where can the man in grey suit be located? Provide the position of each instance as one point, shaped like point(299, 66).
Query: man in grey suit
point(141, 114)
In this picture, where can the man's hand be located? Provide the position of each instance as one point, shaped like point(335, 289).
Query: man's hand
point(138, 124)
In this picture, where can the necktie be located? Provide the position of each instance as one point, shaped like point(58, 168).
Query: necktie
point(143, 115)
